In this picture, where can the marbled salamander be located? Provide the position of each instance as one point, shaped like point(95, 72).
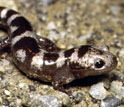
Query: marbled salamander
point(39, 58)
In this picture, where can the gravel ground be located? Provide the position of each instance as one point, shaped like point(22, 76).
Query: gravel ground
point(68, 23)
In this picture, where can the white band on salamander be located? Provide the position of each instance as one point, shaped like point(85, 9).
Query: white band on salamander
point(61, 59)
point(12, 18)
point(37, 60)
point(4, 12)
point(25, 34)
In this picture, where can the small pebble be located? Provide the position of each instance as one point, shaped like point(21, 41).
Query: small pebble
point(0, 100)
point(115, 10)
point(37, 100)
point(78, 96)
point(110, 102)
point(4, 83)
point(51, 26)
point(4, 65)
point(47, 2)
point(6, 92)
point(6, 102)
point(118, 89)
point(98, 91)
point(23, 86)
point(10, 71)
point(32, 88)
point(62, 96)
point(18, 101)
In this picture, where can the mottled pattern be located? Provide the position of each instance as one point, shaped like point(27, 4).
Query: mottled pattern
point(37, 60)
point(21, 55)
point(61, 59)
point(40, 58)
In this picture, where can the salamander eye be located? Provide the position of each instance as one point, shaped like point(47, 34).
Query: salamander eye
point(99, 63)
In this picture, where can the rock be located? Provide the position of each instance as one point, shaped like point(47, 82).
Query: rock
point(110, 102)
point(32, 88)
point(4, 65)
point(117, 89)
point(4, 83)
point(51, 26)
point(62, 96)
point(7, 93)
point(23, 86)
point(10, 71)
point(37, 100)
point(98, 91)
point(5, 102)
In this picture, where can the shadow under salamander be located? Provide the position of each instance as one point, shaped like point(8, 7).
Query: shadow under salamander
point(87, 81)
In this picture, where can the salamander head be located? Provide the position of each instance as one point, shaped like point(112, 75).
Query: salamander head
point(92, 60)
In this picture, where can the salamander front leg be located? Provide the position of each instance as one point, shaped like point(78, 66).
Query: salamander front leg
point(58, 85)
point(61, 77)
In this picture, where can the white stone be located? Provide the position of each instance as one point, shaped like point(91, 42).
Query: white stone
point(98, 91)
point(51, 26)
point(117, 88)
point(7, 92)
